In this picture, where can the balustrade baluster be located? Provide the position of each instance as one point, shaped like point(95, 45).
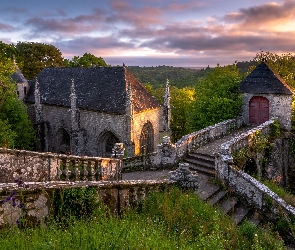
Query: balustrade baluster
point(75, 171)
point(58, 176)
point(84, 172)
point(91, 170)
point(66, 169)
point(98, 170)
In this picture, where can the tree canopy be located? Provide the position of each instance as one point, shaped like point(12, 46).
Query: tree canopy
point(283, 65)
point(181, 108)
point(217, 97)
point(16, 131)
point(33, 57)
point(87, 60)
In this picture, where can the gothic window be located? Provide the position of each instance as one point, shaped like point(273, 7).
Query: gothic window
point(107, 142)
point(147, 138)
point(64, 141)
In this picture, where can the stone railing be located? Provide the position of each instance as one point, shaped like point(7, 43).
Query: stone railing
point(253, 192)
point(206, 135)
point(167, 154)
point(34, 166)
point(38, 197)
point(138, 163)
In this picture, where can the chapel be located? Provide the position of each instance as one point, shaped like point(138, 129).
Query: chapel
point(85, 111)
point(266, 95)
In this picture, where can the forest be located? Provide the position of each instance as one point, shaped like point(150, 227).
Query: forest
point(199, 97)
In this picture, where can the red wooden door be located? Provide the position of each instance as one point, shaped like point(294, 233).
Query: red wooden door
point(258, 110)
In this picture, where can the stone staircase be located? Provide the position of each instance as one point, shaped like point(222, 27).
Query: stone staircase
point(215, 195)
point(202, 160)
point(202, 163)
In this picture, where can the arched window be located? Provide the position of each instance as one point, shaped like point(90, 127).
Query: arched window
point(147, 138)
point(106, 143)
point(64, 141)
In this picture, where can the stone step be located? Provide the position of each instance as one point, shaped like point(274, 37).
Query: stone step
point(228, 205)
point(200, 163)
point(254, 218)
point(239, 214)
point(206, 191)
point(205, 157)
point(217, 197)
point(201, 169)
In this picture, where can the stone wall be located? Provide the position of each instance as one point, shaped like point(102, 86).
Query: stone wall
point(252, 191)
point(208, 134)
point(280, 107)
point(168, 155)
point(139, 119)
point(42, 167)
point(93, 126)
point(38, 197)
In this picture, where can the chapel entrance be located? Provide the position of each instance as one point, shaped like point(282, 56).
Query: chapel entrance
point(107, 142)
point(64, 141)
point(147, 138)
point(258, 110)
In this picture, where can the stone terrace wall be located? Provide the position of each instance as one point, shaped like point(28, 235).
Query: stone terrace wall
point(208, 134)
point(38, 197)
point(253, 192)
point(34, 166)
point(168, 155)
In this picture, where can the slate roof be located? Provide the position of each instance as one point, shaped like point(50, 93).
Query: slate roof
point(100, 89)
point(17, 76)
point(262, 80)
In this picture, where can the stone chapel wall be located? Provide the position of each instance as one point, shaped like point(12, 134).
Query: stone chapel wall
point(155, 117)
point(280, 107)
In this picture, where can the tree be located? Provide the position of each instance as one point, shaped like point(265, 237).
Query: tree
point(87, 60)
point(181, 107)
point(217, 97)
point(283, 65)
point(33, 57)
point(15, 128)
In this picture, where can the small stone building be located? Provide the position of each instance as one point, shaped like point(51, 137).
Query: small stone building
point(266, 95)
point(21, 82)
point(85, 111)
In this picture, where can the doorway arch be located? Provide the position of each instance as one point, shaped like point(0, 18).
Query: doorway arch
point(106, 143)
point(64, 141)
point(147, 138)
point(258, 110)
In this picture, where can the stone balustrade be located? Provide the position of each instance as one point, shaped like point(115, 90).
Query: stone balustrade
point(38, 197)
point(203, 136)
point(42, 167)
point(252, 191)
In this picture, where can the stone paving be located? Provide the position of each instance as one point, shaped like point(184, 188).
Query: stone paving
point(206, 185)
point(213, 147)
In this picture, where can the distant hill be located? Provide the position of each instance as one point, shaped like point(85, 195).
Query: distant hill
point(178, 76)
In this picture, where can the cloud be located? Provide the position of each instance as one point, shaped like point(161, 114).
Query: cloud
point(266, 16)
point(77, 25)
point(136, 16)
point(96, 45)
point(179, 7)
point(7, 28)
point(14, 10)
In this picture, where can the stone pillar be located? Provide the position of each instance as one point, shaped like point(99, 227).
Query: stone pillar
point(184, 177)
point(129, 121)
point(42, 143)
point(118, 150)
point(75, 123)
point(167, 108)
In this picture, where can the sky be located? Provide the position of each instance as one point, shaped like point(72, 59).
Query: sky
point(180, 33)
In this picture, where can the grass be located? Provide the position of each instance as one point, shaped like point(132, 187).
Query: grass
point(168, 220)
point(280, 191)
